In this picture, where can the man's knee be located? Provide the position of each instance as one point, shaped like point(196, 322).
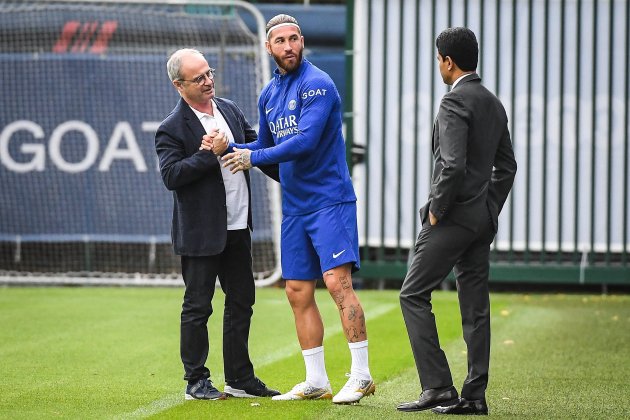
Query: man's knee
point(339, 286)
point(299, 293)
point(339, 279)
point(414, 297)
point(197, 307)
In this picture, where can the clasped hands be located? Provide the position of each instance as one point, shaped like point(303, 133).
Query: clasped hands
point(217, 142)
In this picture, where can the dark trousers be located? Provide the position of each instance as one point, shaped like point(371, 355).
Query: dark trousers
point(438, 250)
point(234, 268)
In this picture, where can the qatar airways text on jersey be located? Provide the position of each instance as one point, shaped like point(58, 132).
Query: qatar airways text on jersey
point(284, 126)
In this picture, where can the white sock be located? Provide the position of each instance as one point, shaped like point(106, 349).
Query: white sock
point(315, 367)
point(359, 353)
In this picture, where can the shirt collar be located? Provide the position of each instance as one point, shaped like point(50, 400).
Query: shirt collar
point(200, 114)
point(460, 78)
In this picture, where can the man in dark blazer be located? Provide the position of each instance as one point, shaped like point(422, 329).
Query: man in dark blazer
point(473, 174)
point(212, 219)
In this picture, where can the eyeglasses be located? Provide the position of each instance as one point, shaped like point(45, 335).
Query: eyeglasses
point(201, 79)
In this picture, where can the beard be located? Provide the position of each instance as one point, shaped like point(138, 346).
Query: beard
point(287, 67)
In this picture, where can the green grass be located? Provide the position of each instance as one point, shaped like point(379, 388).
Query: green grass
point(114, 353)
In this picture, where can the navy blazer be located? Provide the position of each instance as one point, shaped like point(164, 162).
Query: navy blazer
point(474, 165)
point(199, 211)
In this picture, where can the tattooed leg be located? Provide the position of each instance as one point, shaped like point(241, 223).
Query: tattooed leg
point(339, 283)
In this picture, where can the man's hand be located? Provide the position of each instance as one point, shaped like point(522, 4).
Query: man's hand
point(206, 143)
point(216, 141)
point(239, 160)
point(432, 219)
point(220, 142)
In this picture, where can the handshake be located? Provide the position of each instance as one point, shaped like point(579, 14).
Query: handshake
point(216, 141)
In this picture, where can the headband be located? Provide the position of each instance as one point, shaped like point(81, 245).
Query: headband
point(282, 24)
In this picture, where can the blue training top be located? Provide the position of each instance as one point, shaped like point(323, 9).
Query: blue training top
point(300, 128)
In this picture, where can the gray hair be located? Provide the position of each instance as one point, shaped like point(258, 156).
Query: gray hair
point(174, 63)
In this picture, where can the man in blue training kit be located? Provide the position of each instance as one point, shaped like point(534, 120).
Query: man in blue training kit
point(300, 128)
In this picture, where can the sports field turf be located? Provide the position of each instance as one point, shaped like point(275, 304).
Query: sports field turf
point(114, 353)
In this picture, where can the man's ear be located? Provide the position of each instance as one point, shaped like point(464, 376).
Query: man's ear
point(450, 64)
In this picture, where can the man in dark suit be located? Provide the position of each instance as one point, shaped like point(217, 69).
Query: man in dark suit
point(212, 219)
point(473, 174)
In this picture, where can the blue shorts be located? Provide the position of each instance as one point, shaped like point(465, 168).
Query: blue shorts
point(316, 242)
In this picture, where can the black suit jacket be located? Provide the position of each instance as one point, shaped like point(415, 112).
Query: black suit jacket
point(473, 156)
point(199, 211)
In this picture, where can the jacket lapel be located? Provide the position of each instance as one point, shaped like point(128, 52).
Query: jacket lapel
point(192, 122)
point(230, 118)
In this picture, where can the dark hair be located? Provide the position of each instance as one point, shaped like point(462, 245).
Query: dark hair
point(461, 45)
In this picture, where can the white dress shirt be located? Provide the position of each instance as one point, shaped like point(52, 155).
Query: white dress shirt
point(236, 196)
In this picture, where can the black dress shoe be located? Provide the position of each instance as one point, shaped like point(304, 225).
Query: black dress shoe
point(464, 406)
point(203, 390)
point(250, 389)
point(431, 398)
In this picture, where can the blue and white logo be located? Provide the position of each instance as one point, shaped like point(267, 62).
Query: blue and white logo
point(292, 104)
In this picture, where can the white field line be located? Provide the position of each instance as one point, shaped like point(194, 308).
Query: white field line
point(173, 399)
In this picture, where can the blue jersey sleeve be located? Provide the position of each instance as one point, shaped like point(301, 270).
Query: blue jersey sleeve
point(314, 113)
